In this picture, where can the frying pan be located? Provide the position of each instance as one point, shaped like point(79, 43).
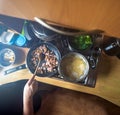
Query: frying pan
point(29, 63)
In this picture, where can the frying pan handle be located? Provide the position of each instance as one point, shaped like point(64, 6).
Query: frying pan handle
point(15, 69)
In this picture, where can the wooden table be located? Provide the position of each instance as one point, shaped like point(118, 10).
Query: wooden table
point(88, 15)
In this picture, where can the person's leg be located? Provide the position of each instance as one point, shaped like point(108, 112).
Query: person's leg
point(36, 101)
point(11, 98)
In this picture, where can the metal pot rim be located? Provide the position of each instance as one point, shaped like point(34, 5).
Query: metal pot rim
point(85, 72)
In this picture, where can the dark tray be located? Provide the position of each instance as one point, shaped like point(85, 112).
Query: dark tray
point(60, 41)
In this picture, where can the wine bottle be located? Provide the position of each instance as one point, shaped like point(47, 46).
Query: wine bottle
point(111, 46)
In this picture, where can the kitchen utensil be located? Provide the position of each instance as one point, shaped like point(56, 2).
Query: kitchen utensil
point(73, 67)
point(34, 74)
point(41, 57)
point(37, 67)
point(30, 66)
point(42, 33)
point(40, 21)
point(14, 69)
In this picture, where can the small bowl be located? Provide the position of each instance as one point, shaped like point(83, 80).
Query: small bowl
point(73, 67)
point(7, 57)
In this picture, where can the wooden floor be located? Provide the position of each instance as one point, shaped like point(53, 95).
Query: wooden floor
point(67, 102)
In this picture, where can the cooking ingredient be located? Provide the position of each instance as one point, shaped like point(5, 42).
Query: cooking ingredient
point(7, 57)
point(81, 42)
point(73, 66)
point(48, 64)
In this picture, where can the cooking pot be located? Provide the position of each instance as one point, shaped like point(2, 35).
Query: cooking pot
point(46, 72)
point(73, 67)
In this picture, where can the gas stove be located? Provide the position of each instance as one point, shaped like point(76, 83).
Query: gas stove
point(36, 33)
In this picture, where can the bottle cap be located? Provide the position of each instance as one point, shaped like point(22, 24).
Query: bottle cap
point(20, 40)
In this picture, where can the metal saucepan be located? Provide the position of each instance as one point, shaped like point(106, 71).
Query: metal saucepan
point(73, 67)
point(49, 59)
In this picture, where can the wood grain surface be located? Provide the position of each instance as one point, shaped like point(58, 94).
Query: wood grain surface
point(82, 14)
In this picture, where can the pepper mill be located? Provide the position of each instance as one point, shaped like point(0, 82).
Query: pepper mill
point(111, 46)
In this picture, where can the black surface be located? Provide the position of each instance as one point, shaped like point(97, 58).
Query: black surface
point(61, 42)
point(12, 22)
point(11, 98)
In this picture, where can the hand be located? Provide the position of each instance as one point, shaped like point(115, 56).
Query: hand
point(30, 88)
